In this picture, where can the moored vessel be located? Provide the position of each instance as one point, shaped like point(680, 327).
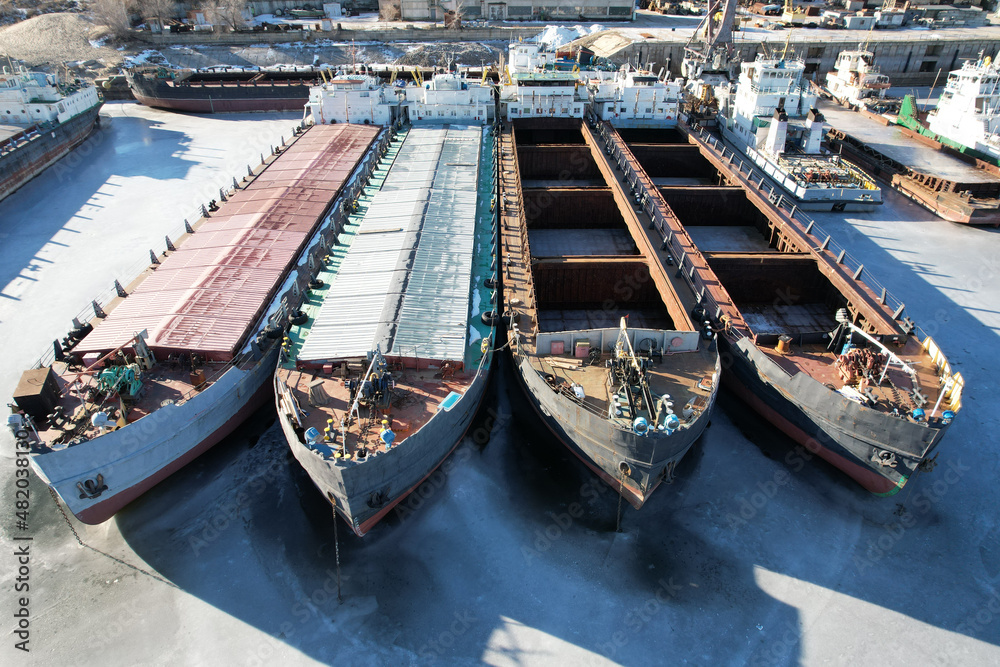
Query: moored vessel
point(228, 89)
point(636, 98)
point(600, 333)
point(856, 82)
point(810, 339)
point(773, 121)
point(967, 115)
point(954, 186)
point(386, 367)
point(182, 354)
point(41, 120)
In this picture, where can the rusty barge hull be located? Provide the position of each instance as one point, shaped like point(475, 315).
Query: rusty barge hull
point(224, 92)
point(36, 152)
point(745, 246)
point(578, 259)
point(966, 193)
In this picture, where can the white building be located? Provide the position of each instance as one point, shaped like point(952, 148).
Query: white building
point(514, 10)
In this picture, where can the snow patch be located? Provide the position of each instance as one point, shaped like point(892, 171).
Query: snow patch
point(555, 36)
point(147, 57)
point(473, 335)
point(98, 43)
point(476, 300)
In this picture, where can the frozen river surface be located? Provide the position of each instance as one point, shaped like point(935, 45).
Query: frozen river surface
point(753, 556)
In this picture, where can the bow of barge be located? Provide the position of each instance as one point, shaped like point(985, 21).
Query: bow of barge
point(599, 330)
point(808, 337)
point(389, 362)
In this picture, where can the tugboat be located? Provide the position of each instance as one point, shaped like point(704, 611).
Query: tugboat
point(177, 358)
point(856, 82)
point(774, 123)
point(599, 331)
point(967, 117)
point(41, 120)
point(388, 362)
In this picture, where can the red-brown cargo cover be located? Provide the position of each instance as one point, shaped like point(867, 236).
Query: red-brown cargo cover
point(205, 296)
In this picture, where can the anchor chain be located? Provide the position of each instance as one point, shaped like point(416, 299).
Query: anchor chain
point(69, 523)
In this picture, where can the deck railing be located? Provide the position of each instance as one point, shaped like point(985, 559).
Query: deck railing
point(823, 242)
point(117, 289)
point(656, 208)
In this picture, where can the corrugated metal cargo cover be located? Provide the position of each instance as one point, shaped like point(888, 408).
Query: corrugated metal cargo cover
point(205, 296)
point(405, 281)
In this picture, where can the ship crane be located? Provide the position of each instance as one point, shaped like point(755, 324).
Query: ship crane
point(630, 371)
point(710, 48)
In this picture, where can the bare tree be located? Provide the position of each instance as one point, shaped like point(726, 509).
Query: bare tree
point(225, 12)
point(389, 10)
point(158, 11)
point(113, 14)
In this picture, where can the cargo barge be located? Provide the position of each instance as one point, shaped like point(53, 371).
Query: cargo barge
point(187, 350)
point(41, 120)
point(600, 333)
point(389, 361)
point(223, 90)
point(954, 186)
point(808, 337)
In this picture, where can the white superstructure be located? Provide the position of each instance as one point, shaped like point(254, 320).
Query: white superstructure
point(856, 80)
point(772, 119)
point(450, 98)
point(528, 57)
point(28, 98)
point(968, 112)
point(352, 98)
point(542, 95)
point(636, 98)
point(445, 98)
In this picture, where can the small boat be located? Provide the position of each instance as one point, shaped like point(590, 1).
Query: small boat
point(41, 120)
point(856, 82)
point(388, 363)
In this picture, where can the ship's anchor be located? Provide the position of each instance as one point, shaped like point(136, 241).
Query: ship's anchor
point(928, 465)
point(884, 458)
point(92, 488)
